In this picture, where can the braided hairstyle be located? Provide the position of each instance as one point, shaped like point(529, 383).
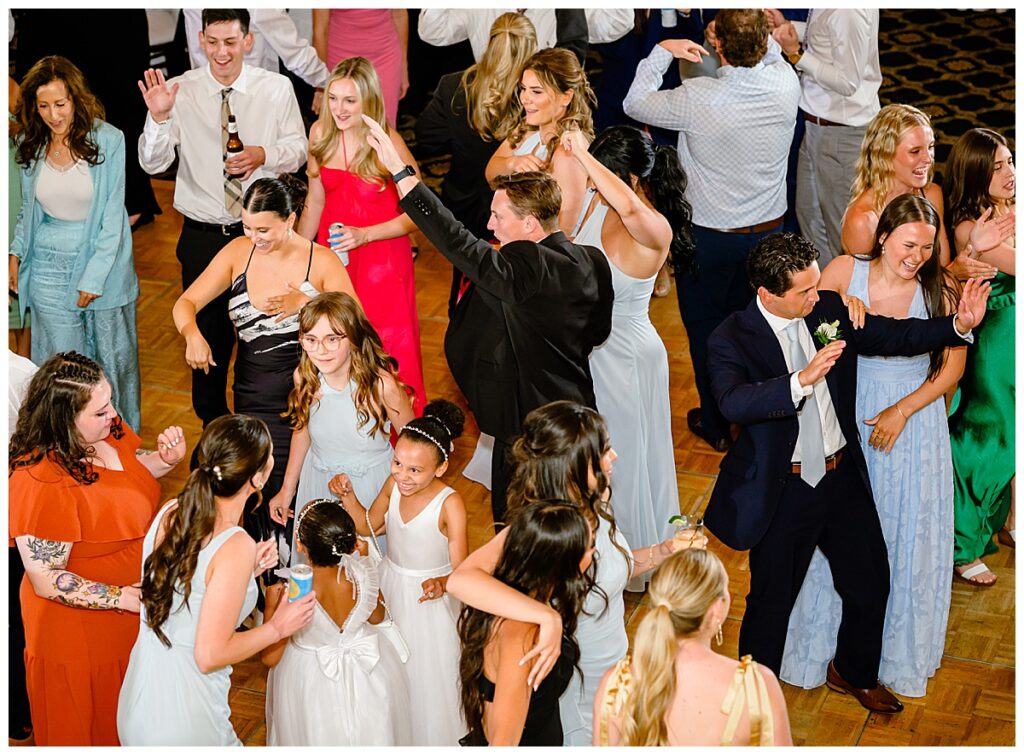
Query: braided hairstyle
point(441, 423)
point(57, 394)
point(326, 531)
point(231, 451)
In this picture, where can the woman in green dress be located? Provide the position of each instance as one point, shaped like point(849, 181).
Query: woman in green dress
point(981, 424)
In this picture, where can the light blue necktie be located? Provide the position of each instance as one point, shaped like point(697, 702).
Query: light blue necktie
point(810, 440)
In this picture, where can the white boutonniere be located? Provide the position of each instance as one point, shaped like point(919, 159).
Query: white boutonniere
point(827, 332)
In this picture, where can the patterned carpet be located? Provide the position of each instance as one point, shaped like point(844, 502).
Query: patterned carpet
point(958, 66)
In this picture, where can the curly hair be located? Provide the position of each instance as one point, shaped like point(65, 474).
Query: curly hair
point(232, 449)
point(541, 558)
point(874, 164)
point(774, 260)
point(559, 71)
point(58, 392)
point(742, 35)
point(682, 590)
point(492, 85)
point(33, 133)
point(364, 162)
point(368, 362)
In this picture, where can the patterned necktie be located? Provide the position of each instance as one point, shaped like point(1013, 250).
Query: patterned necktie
point(811, 440)
point(232, 186)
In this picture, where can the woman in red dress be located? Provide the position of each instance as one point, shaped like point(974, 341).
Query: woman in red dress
point(348, 185)
point(82, 496)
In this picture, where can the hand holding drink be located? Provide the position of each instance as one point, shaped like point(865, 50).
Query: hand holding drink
point(689, 532)
point(334, 233)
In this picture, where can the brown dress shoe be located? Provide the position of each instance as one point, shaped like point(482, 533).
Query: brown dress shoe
point(877, 699)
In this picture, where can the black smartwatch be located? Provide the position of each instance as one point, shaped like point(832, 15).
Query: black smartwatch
point(405, 172)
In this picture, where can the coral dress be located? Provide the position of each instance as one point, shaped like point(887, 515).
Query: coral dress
point(381, 271)
point(76, 658)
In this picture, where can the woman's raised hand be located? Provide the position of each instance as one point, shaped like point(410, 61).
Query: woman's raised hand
point(381, 143)
point(575, 143)
point(989, 233)
point(170, 445)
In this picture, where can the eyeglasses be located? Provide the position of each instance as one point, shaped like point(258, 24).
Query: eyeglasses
point(330, 343)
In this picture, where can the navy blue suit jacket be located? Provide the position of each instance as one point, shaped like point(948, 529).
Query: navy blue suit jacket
point(750, 382)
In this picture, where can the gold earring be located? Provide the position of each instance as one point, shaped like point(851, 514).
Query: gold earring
point(289, 234)
point(718, 636)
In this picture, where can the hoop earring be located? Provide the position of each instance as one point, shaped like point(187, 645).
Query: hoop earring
point(718, 636)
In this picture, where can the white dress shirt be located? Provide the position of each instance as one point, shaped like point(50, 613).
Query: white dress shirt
point(832, 434)
point(734, 128)
point(264, 105)
point(19, 372)
point(840, 69)
point(447, 26)
point(274, 36)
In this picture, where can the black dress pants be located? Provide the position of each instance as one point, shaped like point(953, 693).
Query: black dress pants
point(838, 516)
point(501, 472)
point(196, 248)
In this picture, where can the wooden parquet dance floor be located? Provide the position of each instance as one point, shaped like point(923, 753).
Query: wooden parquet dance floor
point(970, 700)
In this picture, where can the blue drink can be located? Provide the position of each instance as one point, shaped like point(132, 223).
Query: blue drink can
point(300, 582)
point(336, 229)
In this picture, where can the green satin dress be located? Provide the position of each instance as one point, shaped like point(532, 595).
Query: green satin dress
point(981, 428)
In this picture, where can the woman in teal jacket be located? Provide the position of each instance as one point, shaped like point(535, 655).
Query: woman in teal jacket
point(71, 257)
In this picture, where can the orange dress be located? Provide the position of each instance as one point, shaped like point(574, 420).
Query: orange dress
point(76, 658)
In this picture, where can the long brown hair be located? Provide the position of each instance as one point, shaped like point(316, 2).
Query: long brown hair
point(561, 443)
point(368, 362)
point(541, 558)
point(56, 395)
point(35, 134)
point(941, 290)
point(969, 175)
point(560, 71)
point(364, 162)
point(682, 590)
point(233, 448)
point(492, 85)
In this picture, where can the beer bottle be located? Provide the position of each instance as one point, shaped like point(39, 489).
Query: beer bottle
point(234, 145)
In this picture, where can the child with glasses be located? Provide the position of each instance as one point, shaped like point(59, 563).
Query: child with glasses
point(347, 398)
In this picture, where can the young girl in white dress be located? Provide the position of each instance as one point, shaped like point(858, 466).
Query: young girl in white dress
point(346, 400)
point(338, 681)
point(197, 587)
point(426, 524)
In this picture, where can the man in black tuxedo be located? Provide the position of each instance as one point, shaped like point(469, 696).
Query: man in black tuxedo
point(522, 332)
point(796, 477)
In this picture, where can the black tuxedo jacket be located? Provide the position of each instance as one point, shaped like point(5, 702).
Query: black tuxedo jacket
point(750, 382)
point(522, 335)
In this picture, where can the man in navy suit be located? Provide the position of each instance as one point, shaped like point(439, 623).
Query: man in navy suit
point(796, 476)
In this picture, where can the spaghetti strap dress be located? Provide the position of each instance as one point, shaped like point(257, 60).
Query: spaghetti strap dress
point(268, 353)
point(381, 271)
point(166, 699)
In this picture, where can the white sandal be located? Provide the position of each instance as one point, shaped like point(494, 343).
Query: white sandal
point(968, 575)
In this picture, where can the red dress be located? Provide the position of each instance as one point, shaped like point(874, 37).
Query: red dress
point(381, 271)
point(76, 658)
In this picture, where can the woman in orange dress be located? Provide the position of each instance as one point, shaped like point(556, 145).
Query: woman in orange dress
point(82, 495)
point(348, 184)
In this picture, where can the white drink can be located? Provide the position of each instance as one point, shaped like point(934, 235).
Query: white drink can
point(336, 229)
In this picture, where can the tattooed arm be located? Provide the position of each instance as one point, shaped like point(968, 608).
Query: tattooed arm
point(45, 562)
